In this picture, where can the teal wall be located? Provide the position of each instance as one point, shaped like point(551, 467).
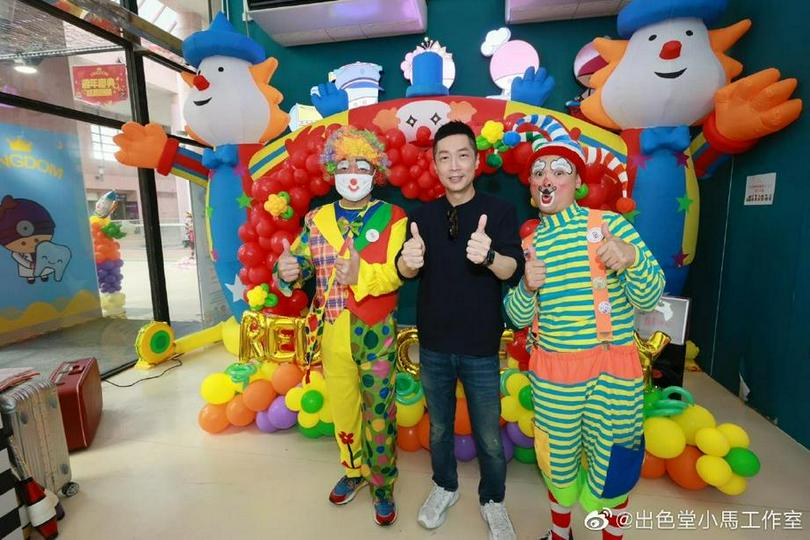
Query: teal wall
point(747, 263)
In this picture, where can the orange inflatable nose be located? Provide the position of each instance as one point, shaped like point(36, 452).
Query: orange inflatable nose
point(200, 82)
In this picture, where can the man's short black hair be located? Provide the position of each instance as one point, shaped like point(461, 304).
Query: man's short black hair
point(455, 127)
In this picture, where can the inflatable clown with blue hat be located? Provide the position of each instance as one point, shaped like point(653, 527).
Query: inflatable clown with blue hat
point(586, 273)
point(667, 75)
point(231, 108)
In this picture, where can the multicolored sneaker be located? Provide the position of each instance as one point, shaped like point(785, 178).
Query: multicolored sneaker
point(385, 512)
point(345, 490)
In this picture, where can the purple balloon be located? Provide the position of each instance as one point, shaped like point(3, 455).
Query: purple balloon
point(517, 436)
point(118, 263)
point(280, 415)
point(263, 422)
point(464, 448)
point(508, 445)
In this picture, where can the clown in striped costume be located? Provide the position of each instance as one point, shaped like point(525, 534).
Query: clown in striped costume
point(586, 273)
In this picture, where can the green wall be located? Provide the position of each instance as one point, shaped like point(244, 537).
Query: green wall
point(747, 263)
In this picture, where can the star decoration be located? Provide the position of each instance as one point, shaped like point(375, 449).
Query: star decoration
point(237, 289)
point(681, 158)
point(684, 203)
point(679, 258)
point(639, 161)
point(244, 201)
point(631, 215)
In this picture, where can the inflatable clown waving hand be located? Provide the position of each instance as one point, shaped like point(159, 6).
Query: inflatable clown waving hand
point(230, 107)
point(670, 72)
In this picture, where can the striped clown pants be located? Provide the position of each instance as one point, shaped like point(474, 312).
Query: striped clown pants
point(588, 423)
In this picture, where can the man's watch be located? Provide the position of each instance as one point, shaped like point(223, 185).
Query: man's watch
point(490, 258)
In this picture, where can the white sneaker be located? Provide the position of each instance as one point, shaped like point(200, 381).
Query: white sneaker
point(434, 511)
point(500, 527)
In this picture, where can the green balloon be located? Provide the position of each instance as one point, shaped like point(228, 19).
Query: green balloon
point(743, 462)
point(310, 433)
point(327, 429)
point(271, 301)
point(525, 455)
point(311, 401)
point(494, 160)
point(525, 397)
point(482, 143)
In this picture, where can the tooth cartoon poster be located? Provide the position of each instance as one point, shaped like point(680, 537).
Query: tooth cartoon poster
point(45, 249)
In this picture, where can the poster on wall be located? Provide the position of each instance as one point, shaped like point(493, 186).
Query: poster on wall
point(100, 85)
point(47, 273)
point(214, 307)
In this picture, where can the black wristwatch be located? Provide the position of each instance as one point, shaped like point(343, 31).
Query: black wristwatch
point(490, 258)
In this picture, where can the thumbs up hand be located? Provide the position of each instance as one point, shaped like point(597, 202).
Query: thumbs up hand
point(614, 253)
point(347, 271)
point(479, 243)
point(534, 274)
point(288, 267)
point(413, 251)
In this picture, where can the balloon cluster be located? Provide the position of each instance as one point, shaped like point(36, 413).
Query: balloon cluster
point(107, 254)
point(412, 169)
point(685, 443)
point(247, 393)
point(312, 405)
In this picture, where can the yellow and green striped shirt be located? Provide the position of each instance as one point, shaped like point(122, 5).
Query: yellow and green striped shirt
point(565, 302)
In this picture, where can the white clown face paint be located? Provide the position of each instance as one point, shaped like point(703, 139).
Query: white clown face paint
point(354, 179)
point(553, 183)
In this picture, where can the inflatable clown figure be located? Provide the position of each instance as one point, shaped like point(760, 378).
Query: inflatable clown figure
point(670, 73)
point(232, 108)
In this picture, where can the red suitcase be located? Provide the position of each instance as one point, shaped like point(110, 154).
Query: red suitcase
point(79, 385)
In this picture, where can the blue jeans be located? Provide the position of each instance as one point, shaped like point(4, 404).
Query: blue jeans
point(481, 379)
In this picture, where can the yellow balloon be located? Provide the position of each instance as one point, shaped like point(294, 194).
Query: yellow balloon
point(230, 336)
point(410, 415)
point(713, 470)
point(512, 363)
point(737, 436)
point(515, 383)
point(308, 420)
point(510, 408)
point(711, 441)
point(692, 419)
point(526, 425)
point(266, 370)
point(665, 439)
point(736, 486)
point(292, 399)
point(217, 389)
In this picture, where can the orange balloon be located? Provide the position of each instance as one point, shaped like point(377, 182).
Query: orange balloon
point(423, 431)
point(259, 395)
point(462, 425)
point(683, 469)
point(213, 419)
point(653, 467)
point(238, 414)
point(408, 438)
point(285, 377)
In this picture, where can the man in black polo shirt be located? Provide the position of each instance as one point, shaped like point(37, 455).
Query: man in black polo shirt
point(462, 246)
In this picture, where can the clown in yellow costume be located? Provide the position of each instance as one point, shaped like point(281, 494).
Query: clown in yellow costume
point(349, 247)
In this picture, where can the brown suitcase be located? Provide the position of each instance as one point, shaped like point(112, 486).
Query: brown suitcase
point(79, 385)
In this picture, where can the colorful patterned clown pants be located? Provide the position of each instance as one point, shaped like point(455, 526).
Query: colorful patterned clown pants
point(588, 408)
point(358, 362)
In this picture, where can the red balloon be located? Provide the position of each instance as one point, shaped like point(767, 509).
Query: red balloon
point(510, 164)
point(298, 158)
point(243, 276)
point(270, 260)
point(291, 224)
point(409, 153)
point(423, 136)
point(393, 155)
point(528, 227)
point(265, 228)
point(319, 187)
point(415, 171)
point(595, 197)
point(394, 138)
point(261, 189)
point(522, 152)
point(313, 164)
point(425, 195)
point(260, 274)
point(250, 254)
point(299, 199)
point(265, 242)
point(410, 190)
point(257, 215)
point(247, 233)
point(276, 242)
point(425, 181)
point(432, 169)
point(398, 175)
point(301, 176)
point(285, 178)
point(298, 302)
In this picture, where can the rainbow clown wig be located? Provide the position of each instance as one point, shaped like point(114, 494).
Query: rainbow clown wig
point(348, 142)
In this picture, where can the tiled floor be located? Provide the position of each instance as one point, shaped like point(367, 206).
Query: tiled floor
point(153, 473)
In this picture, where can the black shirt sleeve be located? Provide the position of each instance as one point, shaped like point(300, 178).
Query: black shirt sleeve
point(507, 240)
